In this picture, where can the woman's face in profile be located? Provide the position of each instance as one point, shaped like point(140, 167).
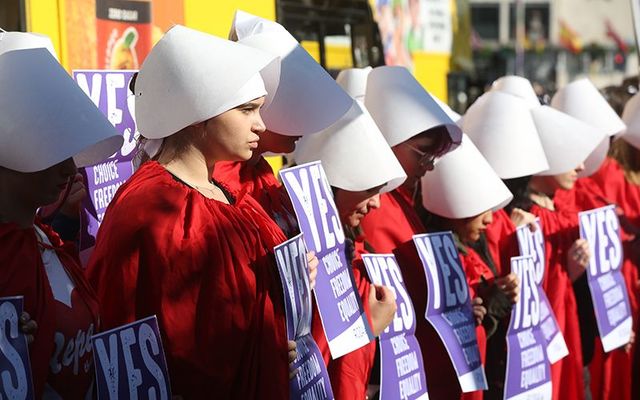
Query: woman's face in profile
point(354, 206)
point(39, 188)
point(234, 134)
point(469, 229)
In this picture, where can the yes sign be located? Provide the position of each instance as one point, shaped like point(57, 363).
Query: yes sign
point(130, 362)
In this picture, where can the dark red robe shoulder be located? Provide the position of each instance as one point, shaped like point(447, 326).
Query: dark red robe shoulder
point(206, 269)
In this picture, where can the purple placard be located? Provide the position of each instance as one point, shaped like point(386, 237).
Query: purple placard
point(532, 244)
point(601, 228)
point(449, 307)
point(528, 373)
point(109, 91)
point(343, 319)
point(15, 367)
point(402, 367)
point(130, 362)
point(312, 380)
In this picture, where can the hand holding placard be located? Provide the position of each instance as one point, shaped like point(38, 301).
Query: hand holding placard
point(402, 367)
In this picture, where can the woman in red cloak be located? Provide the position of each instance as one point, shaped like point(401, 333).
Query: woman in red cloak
point(179, 245)
point(38, 159)
point(467, 213)
point(614, 183)
point(356, 178)
point(608, 182)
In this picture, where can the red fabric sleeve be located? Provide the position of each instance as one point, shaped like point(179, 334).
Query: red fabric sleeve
point(502, 241)
point(206, 270)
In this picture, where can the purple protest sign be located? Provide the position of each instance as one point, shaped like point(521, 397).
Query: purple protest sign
point(109, 91)
point(312, 380)
point(601, 228)
point(130, 362)
point(528, 373)
point(449, 307)
point(402, 367)
point(532, 244)
point(343, 319)
point(15, 368)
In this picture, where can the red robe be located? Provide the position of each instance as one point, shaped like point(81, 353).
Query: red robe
point(560, 230)
point(394, 223)
point(206, 269)
point(23, 274)
point(388, 227)
point(475, 269)
point(260, 183)
point(502, 241)
point(611, 373)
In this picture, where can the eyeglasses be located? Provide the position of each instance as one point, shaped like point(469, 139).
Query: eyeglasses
point(426, 159)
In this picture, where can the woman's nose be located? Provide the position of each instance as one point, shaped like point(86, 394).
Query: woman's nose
point(259, 126)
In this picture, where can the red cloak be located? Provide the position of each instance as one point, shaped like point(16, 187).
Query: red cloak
point(206, 269)
point(560, 230)
point(442, 380)
point(23, 274)
point(395, 222)
point(476, 269)
point(611, 373)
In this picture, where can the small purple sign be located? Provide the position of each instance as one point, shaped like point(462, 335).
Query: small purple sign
point(312, 380)
point(15, 367)
point(402, 367)
point(601, 228)
point(109, 91)
point(449, 307)
point(528, 373)
point(532, 244)
point(343, 319)
point(130, 362)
